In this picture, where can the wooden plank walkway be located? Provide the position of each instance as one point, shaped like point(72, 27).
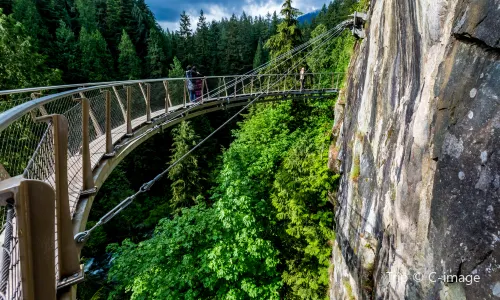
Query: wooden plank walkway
point(98, 145)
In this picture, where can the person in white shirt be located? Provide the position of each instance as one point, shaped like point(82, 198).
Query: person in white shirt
point(302, 74)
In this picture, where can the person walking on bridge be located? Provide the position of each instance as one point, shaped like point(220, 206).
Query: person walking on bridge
point(197, 82)
point(190, 84)
point(302, 76)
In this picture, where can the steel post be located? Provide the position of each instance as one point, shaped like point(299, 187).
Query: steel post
point(185, 90)
point(202, 88)
point(225, 86)
point(167, 96)
point(109, 138)
point(129, 108)
point(97, 128)
point(88, 178)
point(68, 261)
point(208, 90)
point(148, 103)
point(124, 113)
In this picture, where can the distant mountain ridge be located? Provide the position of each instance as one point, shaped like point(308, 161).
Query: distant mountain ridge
point(307, 18)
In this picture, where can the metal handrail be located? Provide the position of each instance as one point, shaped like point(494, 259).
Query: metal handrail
point(9, 116)
point(93, 84)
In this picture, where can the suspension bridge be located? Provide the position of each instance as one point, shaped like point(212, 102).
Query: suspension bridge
point(59, 144)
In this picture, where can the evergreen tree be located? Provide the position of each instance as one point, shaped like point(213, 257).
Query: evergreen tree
point(184, 46)
point(65, 46)
point(143, 22)
point(113, 22)
point(127, 19)
point(176, 87)
point(201, 44)
point(96, 63)
point(248, 39)
point(87, 14)
point(274, 24)
point(288, 35)
point(128, 62)
point(214, 41)
point(289, 13)
point(184, 175)
point(21, 65)
point(320, 59)
point(232, 50)
point(155, 60)
point(26, 12)
point(259, 55)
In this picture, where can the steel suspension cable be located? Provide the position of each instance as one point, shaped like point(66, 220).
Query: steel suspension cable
point(332, 32)
point(335, 34)
point(291, 52)
point(82, 236)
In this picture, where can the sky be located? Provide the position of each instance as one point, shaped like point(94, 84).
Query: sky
point(167, 12)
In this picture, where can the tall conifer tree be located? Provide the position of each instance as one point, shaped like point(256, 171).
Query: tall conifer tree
point(184, 175)
point(201, 43)
point(128, 62)
point(156, 58)
point(185, 47)
point(65, 47)
point(96, 62)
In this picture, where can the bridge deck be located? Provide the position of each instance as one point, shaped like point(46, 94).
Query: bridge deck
point(98, 145)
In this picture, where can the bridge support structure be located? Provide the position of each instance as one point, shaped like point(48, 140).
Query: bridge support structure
point(359, 20)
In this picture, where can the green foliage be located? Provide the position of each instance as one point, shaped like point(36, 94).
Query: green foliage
point(156, 57)
point(270, 212)
point(65, 45)
point(176, 88)
point(21, 65)
point(319, 60)
point(288, 34)
point(185, 44)
point(201, 43)
point(95, 60)
point(87, 14)
point(300, 195)
point(259, 56)
point(113, 20)
point(183, 270)
point(25, 11)
point(128, 62)
point(355, 169)
point(184, 175)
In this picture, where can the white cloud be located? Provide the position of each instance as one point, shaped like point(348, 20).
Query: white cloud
point(250, 7)
point(172, 26)
point(261, 9)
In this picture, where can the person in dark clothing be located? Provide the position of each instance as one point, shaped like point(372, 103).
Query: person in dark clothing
point(197, 82)
point(190, 84)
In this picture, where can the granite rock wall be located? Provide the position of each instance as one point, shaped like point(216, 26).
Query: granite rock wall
point(417, 141)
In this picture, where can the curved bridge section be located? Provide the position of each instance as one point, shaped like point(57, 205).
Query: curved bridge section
point(64, 145)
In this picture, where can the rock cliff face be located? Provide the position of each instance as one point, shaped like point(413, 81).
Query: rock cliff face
point(418, 147)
